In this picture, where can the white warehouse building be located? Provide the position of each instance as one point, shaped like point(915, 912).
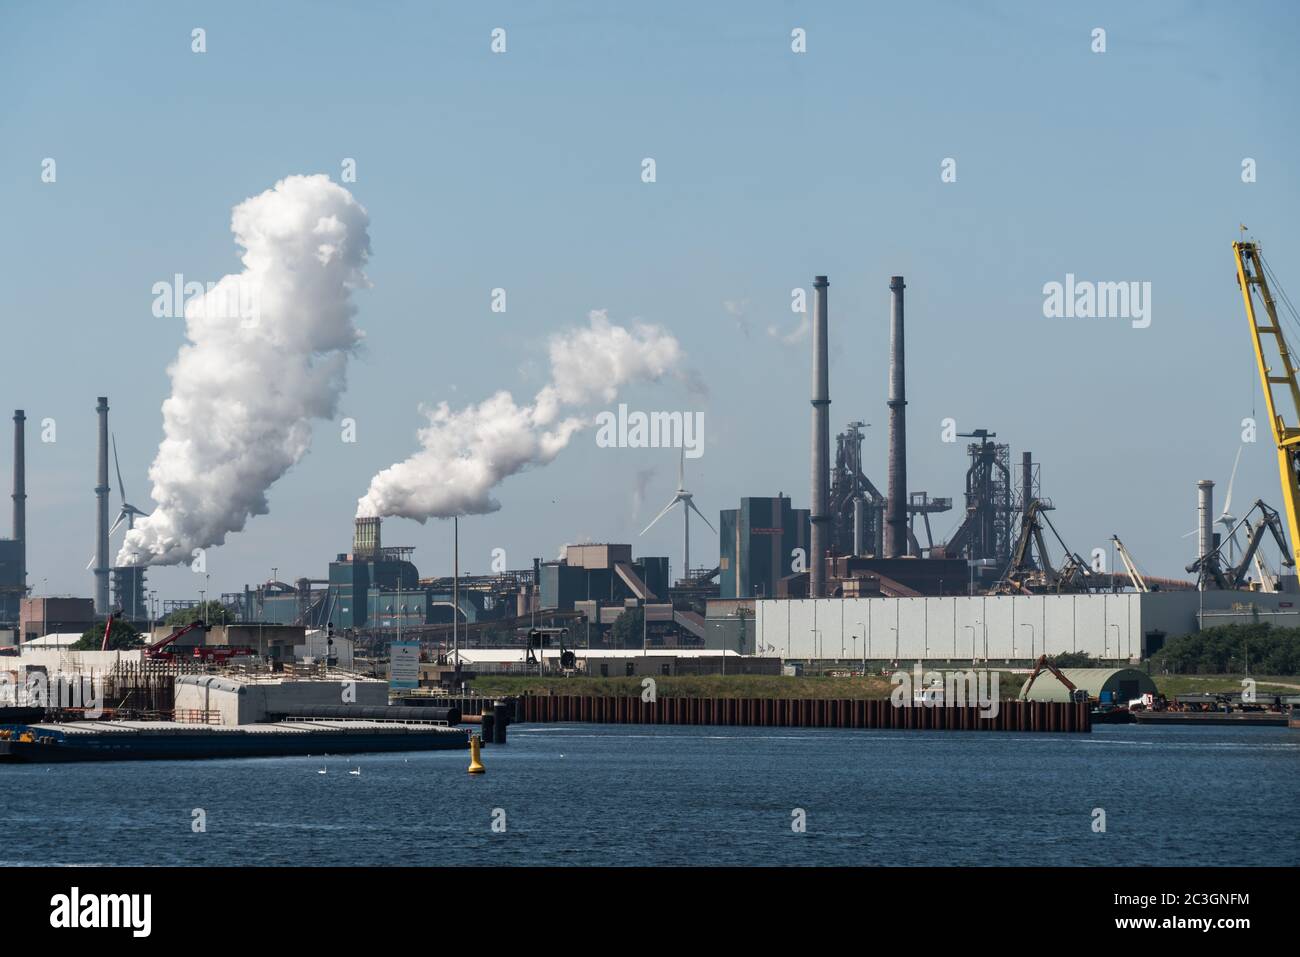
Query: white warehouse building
point(1110, 626)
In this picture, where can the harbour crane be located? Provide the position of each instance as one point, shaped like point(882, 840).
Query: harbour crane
point(1022, 578)
point(1215, 566)
point(1277, 371)
point(1135, 576)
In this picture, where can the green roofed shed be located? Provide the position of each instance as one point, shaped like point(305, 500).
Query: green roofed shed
point(1124, 684)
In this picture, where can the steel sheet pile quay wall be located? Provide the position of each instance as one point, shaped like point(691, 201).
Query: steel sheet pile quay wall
point(1051, 716)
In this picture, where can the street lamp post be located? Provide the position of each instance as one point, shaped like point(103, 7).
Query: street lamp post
point(865, 649)
point(1030, 626)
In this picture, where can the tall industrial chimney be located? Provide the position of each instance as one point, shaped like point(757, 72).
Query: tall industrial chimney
point(1205, 523)
point(1026, 481)
point(366, 537)
point(821, 444)
point(20, 495)
point(896, 497)
point(101, 505)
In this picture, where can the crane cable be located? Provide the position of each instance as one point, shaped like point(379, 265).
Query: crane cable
point(1279, 292)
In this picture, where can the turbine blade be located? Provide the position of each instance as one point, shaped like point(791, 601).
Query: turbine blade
point(121, 489)
point(1227, 500)
point(681, 469)
point(121, 517)
point(667, 508)
point(691, 504)
point(90, 564)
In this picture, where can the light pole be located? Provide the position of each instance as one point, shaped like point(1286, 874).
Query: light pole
point(1030, 626)
point(817, 643)
point(895, 631)
point(865, 649)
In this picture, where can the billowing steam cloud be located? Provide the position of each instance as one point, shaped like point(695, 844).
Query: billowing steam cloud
point(249, 382)
point(465, 454)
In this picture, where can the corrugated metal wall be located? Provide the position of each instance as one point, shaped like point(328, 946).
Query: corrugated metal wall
point(997, 628)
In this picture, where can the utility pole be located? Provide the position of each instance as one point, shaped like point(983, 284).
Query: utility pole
point(455, 590)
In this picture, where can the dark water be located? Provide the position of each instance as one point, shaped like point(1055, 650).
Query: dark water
point(581, 794)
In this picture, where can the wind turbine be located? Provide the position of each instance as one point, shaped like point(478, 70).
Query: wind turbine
point(688, 505)
point(128, 511)
point(1226, 518)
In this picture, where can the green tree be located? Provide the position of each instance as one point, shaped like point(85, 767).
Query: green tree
point(1227, 649)
point(211, 612)
point(1074, 659)
point(626, 630)
point(120, 638)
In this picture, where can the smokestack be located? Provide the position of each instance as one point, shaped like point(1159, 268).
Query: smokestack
point(1026, 480)
point(896, 498)
point(101, 505)
point(859, 526)
point(365, 537)
point(1205, 519)
point(20, 495)
point(821, 443)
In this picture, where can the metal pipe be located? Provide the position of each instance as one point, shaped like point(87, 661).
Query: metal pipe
point(20, 496)
point(1205, 519)
point(101, 503)
point(1026, 481)
point(821, 443)
point(896, 497)
point(859, 526)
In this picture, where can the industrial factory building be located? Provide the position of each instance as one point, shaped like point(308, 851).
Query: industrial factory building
point(42, 616)
point(602, 573)
point(1108, 626)
point(756, 544)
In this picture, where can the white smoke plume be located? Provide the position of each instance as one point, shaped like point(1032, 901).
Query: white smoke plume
point(246, 389)
point(465, 454)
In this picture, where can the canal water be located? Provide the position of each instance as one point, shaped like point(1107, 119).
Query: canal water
point(628, 795)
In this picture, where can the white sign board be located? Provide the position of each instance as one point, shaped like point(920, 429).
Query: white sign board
point(404, 664)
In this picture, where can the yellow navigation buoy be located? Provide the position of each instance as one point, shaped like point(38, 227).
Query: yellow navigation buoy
point(475, 765)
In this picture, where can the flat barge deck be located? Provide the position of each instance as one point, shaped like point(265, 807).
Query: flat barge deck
point(1236, 718)
point(47, 742)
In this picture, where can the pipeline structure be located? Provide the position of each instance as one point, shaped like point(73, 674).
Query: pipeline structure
point(1033, 716)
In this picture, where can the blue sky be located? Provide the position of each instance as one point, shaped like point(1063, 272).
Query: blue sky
point(522, 171)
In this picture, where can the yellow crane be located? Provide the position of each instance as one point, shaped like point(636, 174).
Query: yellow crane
point(1277, 369)
point(1130, 566)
